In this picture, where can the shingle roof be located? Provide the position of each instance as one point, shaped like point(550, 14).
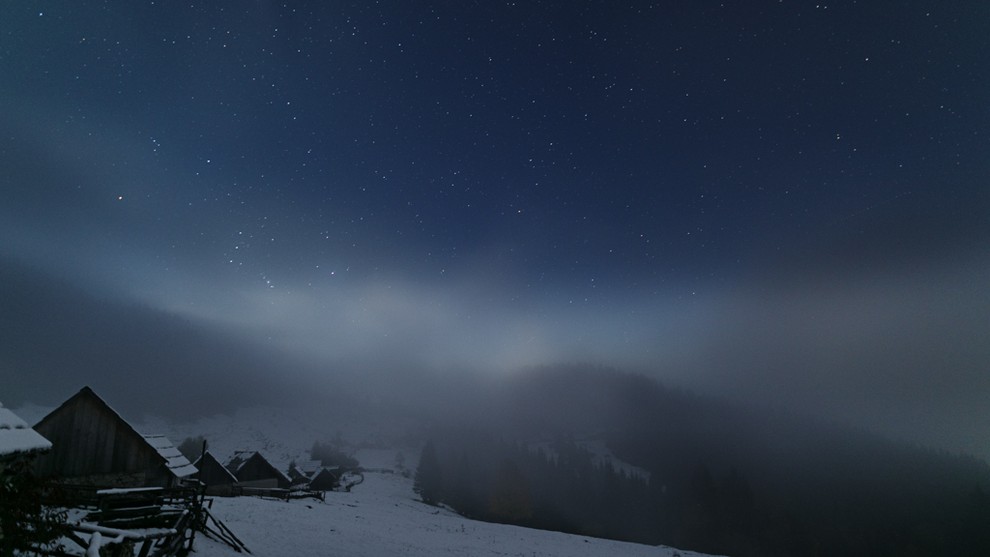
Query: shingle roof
point(240, 458)
point(237, 460)
point(220, 468)
point(309, 467)
point(176, 462)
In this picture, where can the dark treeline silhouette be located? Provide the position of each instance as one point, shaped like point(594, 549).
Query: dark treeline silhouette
point(723, 479)
point(554, 486)
point(330, 455)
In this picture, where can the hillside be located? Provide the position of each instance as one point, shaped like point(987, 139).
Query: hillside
point(382, 517)
point(596, 452)
point(723, 478)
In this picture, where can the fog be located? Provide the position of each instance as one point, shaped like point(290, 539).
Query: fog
point(785, 207)
point(900, 354)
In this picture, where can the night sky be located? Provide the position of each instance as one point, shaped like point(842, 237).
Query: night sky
point(784, 202)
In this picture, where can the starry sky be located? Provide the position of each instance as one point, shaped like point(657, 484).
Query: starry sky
point(784, 202)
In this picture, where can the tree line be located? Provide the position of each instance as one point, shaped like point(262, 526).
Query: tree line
point(558, 486)
point(723, 479)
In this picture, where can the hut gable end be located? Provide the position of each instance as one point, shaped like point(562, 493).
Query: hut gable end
point(211, 472)
point(91, 440)
point(252, 469)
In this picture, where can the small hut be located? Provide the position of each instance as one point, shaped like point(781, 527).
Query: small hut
point(217, 479)
point(302, 472)
point(253, 470)
point(326, 479)
point(93, 444)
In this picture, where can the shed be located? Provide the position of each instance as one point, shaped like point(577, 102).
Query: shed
point(93, 444)
point(253, 470)
point(303, 472)
point(326, 479)
point(217, 479)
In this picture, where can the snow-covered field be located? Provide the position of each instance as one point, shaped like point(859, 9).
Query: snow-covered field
point(381, 517)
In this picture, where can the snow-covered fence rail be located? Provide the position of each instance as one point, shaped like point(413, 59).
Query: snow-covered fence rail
point(129, 522)
point(95, 539)
point(307, 494)
point(274, 492)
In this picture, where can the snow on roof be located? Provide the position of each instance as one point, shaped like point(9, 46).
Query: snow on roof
point(333, 471)
point(122, 490)
point(240, 458)
point(17, 437)
point(176, 462)
point(208, 455)
point(237, 460)
point(309, 467)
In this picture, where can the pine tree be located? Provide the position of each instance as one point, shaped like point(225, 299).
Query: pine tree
point(511, 500)
point(192, 447)
point(429, 480)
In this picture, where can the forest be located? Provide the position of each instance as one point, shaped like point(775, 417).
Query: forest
point(722, 478)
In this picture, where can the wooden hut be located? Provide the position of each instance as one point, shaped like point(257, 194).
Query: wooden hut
point(93, 444)
point(253, 470)
point(217, 479)
point(326, 479)
point(302, 472)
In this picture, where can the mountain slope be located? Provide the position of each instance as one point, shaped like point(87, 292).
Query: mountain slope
point(382, 517)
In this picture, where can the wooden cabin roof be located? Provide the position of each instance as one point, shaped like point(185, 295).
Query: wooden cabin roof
point(17, 437)
point(239, 462)
point(91, 438)
point(211, 472)
point(308, 468)
point(325, 478)
point(176, 462)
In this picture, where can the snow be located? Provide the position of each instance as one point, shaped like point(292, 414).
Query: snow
point(17, 437)
point(124, 490)
point(309, 468)
point(95, 542)
point(382, 517)
point(174, 460)
point(600, 456)
point(280, 436)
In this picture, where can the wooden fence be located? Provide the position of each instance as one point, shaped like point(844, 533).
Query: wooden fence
point(142, 522)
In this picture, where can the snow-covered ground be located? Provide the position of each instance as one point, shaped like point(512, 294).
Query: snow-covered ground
point(381, 517)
